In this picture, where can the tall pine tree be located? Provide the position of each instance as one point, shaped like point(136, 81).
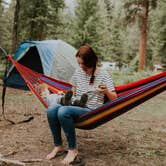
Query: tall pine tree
point(139, 10)
point(106, 28)
point(6, 18)
point(1, 22)
point(87, 24)
point(15, 27)
point(157, 34)
point(39, 19)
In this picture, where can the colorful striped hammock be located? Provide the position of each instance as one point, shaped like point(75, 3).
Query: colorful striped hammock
point(129, 95)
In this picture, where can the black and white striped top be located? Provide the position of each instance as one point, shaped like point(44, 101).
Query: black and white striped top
point(81, 80)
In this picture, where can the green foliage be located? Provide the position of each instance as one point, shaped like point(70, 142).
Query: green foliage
point(5, 27)
point(162, 35)
point(67, 30)
point(139, 11)
point(95, 22)
point(42, 19)
point(105, 12)
point(1, 21)
point(157, 34)
point(127, 76)
point(55, 19)
point(87, 24)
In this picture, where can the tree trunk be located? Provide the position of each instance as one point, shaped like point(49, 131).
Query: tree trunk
point(15, 27)
point(143, 36)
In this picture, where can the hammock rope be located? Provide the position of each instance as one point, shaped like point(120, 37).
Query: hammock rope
point(129, 95)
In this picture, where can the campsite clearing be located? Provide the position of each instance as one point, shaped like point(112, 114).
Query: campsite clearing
point(135, 138)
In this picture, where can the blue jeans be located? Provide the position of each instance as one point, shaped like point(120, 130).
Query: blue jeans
point(64, 116)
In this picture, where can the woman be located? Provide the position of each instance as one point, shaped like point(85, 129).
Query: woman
point(88, 79)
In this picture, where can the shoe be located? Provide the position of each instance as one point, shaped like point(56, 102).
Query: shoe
point(66, 100)
point(83, 100)
point(76, 103)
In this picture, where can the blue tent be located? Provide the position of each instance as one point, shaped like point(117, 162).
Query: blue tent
point(54, 58)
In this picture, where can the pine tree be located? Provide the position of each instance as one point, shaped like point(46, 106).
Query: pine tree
point(106, 28)
point(5, 25)
point(115, 27)
point(42, 19)
point(55, 19)
point(157, 35)
point(1, 22)
point(162, 25)
point(139, 10)
point(15, 27)
point(87, 24)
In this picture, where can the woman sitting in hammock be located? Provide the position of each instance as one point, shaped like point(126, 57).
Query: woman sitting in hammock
point(89, 79)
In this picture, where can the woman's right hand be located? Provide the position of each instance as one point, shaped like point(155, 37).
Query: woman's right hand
point(102, 88)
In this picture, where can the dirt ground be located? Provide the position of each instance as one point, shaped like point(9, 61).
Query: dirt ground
point(136, 138)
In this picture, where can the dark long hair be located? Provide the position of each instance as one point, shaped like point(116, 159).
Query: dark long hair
point(89, 58)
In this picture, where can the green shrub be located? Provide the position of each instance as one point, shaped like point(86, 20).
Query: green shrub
point(127, 76)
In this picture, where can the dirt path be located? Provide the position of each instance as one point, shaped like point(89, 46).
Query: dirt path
point(137, 138)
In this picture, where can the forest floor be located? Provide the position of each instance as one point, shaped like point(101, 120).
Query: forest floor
point(136, 138)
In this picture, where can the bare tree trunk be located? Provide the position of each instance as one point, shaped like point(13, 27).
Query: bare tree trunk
point(143, 36)
point(15, 27)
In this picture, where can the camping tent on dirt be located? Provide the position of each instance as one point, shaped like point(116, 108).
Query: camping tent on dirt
point(53, 58)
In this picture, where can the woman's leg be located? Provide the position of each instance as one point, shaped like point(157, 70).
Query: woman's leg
point(52, 116)
point(66, 116)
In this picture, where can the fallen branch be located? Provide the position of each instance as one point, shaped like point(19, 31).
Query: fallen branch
point(16, 162)
point(31, 160)
point(10, 161)
point(26, 120)
point(8, 154)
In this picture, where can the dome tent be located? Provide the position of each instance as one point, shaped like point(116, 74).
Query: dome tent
point(54, 58)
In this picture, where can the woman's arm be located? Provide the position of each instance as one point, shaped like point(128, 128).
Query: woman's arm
point(111, 94)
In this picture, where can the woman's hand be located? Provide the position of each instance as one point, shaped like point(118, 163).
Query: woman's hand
point(102, 88)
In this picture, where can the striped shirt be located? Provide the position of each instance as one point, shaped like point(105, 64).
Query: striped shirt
point(81, 80)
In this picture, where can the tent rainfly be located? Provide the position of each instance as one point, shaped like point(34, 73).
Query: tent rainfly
point(54, 58)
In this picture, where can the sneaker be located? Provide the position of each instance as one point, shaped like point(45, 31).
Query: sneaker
point(66, 100)
point(76, 103)
point(83, 100)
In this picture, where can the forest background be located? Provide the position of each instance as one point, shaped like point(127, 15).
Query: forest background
point(129, 32)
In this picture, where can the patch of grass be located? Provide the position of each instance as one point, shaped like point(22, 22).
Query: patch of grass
point(127, 76)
